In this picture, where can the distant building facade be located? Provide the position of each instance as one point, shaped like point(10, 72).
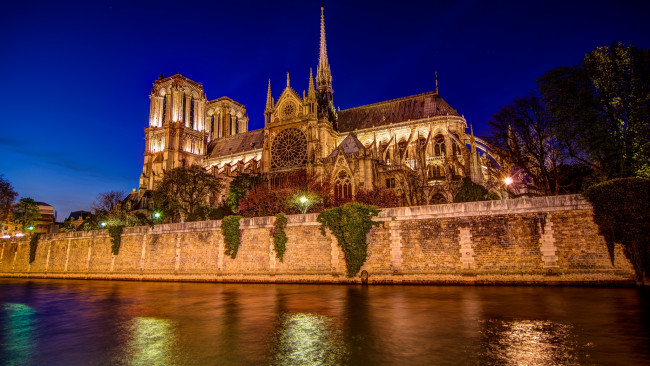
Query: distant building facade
point(414, 145)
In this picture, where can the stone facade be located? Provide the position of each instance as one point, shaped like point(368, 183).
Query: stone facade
point(415, 145)
point(534, 240)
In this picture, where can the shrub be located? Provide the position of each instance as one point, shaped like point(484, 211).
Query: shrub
point(231, 234)
point(350, 224)
point(470, 192)
point(622, 213)
point(380, 197)
point(33, 243)
point(279, 235)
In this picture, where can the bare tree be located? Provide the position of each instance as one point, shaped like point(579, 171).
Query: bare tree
point(525, 132)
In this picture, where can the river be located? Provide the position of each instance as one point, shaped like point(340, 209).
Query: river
point(67, 322)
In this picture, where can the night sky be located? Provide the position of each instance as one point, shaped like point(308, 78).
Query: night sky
point(77, 75)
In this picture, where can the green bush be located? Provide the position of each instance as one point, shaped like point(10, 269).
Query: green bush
point(350, 224)
point(33, 243)
point(622, 213)
point(116, 237)
point(279, 235)
point(231, 234)
point(470, 192)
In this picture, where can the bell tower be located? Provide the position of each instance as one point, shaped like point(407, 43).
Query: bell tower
point(177, 132)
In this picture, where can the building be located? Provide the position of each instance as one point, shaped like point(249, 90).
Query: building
point(417, 145)
point(46, 224)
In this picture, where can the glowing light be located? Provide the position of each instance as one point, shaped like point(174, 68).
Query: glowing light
point(303, 199)
point(6, 236)
point(308, 339)
point(102, 224)
point(20, 235)
point(152, 342)
point(30, 228)
point(156, 215)
point(508, 181)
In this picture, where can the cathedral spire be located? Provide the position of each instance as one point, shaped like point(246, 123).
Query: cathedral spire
point(269, 97)
point(323, 73)
point(311, 92)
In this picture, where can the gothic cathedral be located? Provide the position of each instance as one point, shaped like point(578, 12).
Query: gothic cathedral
point(412, 143)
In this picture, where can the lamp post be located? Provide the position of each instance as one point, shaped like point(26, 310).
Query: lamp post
point(156, 216)
point(507, 181)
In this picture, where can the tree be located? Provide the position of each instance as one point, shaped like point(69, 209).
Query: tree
point(7, 198)
point(525, 132)
point(602, 106)
point(108, 206)
point(238, 188)
point(26, 212)
point(183, 192)
point(622, 214)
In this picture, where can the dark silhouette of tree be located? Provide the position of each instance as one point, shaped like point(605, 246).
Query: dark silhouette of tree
point(622, 214)
point(602, 107)
point(526, 134)
point(7, 198)
point(108, 206)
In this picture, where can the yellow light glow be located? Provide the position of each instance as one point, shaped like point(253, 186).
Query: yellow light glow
point(508, 181)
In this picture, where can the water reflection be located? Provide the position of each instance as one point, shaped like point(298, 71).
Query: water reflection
point(59, 322)
point(308, 339)
point(529, 342)
point(152, 342)
point(18, 341)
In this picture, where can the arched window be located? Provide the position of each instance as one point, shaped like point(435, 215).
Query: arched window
point(192, 113)
point(439, 145)
point(164, 111)
point(343, 186)
point(212, 127)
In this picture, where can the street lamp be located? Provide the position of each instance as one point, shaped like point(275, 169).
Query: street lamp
point(156, 215)
point(102, 224)
point(30, 228)
point(304, 203)
point(507, 181)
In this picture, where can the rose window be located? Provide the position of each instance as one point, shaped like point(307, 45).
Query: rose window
point(289, 149)
point(289, 110)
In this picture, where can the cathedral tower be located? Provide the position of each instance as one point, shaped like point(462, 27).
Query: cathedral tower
point(324, 89)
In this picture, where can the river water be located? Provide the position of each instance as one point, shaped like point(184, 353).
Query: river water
point(65, 322)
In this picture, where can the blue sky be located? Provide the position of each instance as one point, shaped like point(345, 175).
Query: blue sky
point(77, 75)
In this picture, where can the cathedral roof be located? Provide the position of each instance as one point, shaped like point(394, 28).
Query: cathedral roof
point(414, 107)
point(349, 145)
point(242, 142)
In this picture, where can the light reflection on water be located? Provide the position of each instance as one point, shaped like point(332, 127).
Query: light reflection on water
point(134, 323)
point(308, 339)
point(18, 334)
point(530, 342)
point(152, 342)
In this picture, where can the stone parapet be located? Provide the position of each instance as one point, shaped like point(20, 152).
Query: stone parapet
point(546, 240)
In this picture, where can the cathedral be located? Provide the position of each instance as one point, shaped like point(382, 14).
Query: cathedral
point(416, 145)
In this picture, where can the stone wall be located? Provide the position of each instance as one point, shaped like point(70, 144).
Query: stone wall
point(529, 240)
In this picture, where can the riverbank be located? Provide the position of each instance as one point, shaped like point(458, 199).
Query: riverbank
point(528, 241)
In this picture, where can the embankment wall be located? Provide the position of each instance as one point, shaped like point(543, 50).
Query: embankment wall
point(548, 240)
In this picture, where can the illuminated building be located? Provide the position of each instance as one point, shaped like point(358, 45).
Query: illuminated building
point(415, 144)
